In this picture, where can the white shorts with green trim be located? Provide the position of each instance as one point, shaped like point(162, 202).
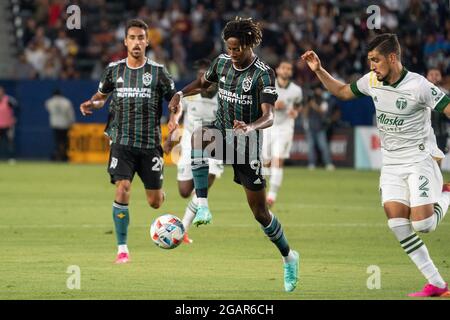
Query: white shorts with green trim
point(414, 184)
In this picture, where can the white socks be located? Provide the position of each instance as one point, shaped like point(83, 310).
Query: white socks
point(440, 210)
point(290, 257)
point(416, 250)
point(441, 207)
point(122, 248)
point(203, 202)
point(276, 177)
point(189, 213)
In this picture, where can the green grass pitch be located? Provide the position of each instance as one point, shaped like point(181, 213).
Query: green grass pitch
point(57, 215)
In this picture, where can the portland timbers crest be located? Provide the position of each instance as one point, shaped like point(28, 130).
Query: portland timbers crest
point(401, 103)
point(147, 78)
point(247, 83)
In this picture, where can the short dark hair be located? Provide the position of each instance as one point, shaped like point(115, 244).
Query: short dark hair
point(138, 23)
point(246, 30)
point(385, 44)
point(202, 63)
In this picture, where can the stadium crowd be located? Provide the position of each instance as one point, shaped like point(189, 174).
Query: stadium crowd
point(182, 31)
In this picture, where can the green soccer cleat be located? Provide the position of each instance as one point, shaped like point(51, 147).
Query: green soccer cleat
point(203, 216)
point(291, 273)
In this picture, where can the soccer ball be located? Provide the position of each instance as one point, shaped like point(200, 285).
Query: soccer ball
point(167, 231)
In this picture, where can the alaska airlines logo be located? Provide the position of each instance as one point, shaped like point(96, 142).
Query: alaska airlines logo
point(383, 119)
point(401, 103)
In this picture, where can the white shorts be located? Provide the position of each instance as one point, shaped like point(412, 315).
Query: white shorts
point(413, 184)
point(184, 162)
point(277, 143)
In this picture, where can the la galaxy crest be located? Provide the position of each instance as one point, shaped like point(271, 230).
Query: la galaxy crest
point(247, 83)
point(147, 78)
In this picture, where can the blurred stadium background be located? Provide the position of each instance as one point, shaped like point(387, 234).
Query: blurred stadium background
point(40, 54)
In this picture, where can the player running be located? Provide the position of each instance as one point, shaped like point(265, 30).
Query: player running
point(411, 182)
point(246, 97)
point(200, 109)
point(277, 140)
point(137, 86)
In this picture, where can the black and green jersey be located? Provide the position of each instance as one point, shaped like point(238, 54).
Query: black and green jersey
point(241, 91)
point(136, 105)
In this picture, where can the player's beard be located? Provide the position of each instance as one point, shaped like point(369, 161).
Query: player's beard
point(137, 54)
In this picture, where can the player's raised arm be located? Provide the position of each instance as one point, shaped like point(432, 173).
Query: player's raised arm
point(174, 118)
point(336, 87)
point(96, 102)
point(192, 88)
point(174, 136)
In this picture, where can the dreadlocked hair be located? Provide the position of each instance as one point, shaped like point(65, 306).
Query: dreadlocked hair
point(246, 30)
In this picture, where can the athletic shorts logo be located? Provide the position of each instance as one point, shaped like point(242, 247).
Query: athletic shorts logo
point(147, 79)
point(114, 162)
point(247, 83)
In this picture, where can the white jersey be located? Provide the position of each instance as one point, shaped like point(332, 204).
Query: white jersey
point(403, 118)
point(198, 110)
point(290, 95)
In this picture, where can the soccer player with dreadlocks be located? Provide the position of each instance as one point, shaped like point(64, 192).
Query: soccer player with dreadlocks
point(246, 96)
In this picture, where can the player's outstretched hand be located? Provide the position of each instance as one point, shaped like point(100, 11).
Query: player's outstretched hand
point(312, 60)
point(86, 108)
point(240, 127)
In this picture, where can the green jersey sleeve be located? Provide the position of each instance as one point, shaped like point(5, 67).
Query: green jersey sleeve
point(432, 96)
point(361, 87)
point(266, 87)
point(211, 73)
point(106, 84)
point(167, 84)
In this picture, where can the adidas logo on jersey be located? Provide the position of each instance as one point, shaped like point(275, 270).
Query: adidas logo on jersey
point(222, 79)
point(120, 80)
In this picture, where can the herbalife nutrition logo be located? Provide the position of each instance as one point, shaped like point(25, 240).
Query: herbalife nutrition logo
point(384, 119)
